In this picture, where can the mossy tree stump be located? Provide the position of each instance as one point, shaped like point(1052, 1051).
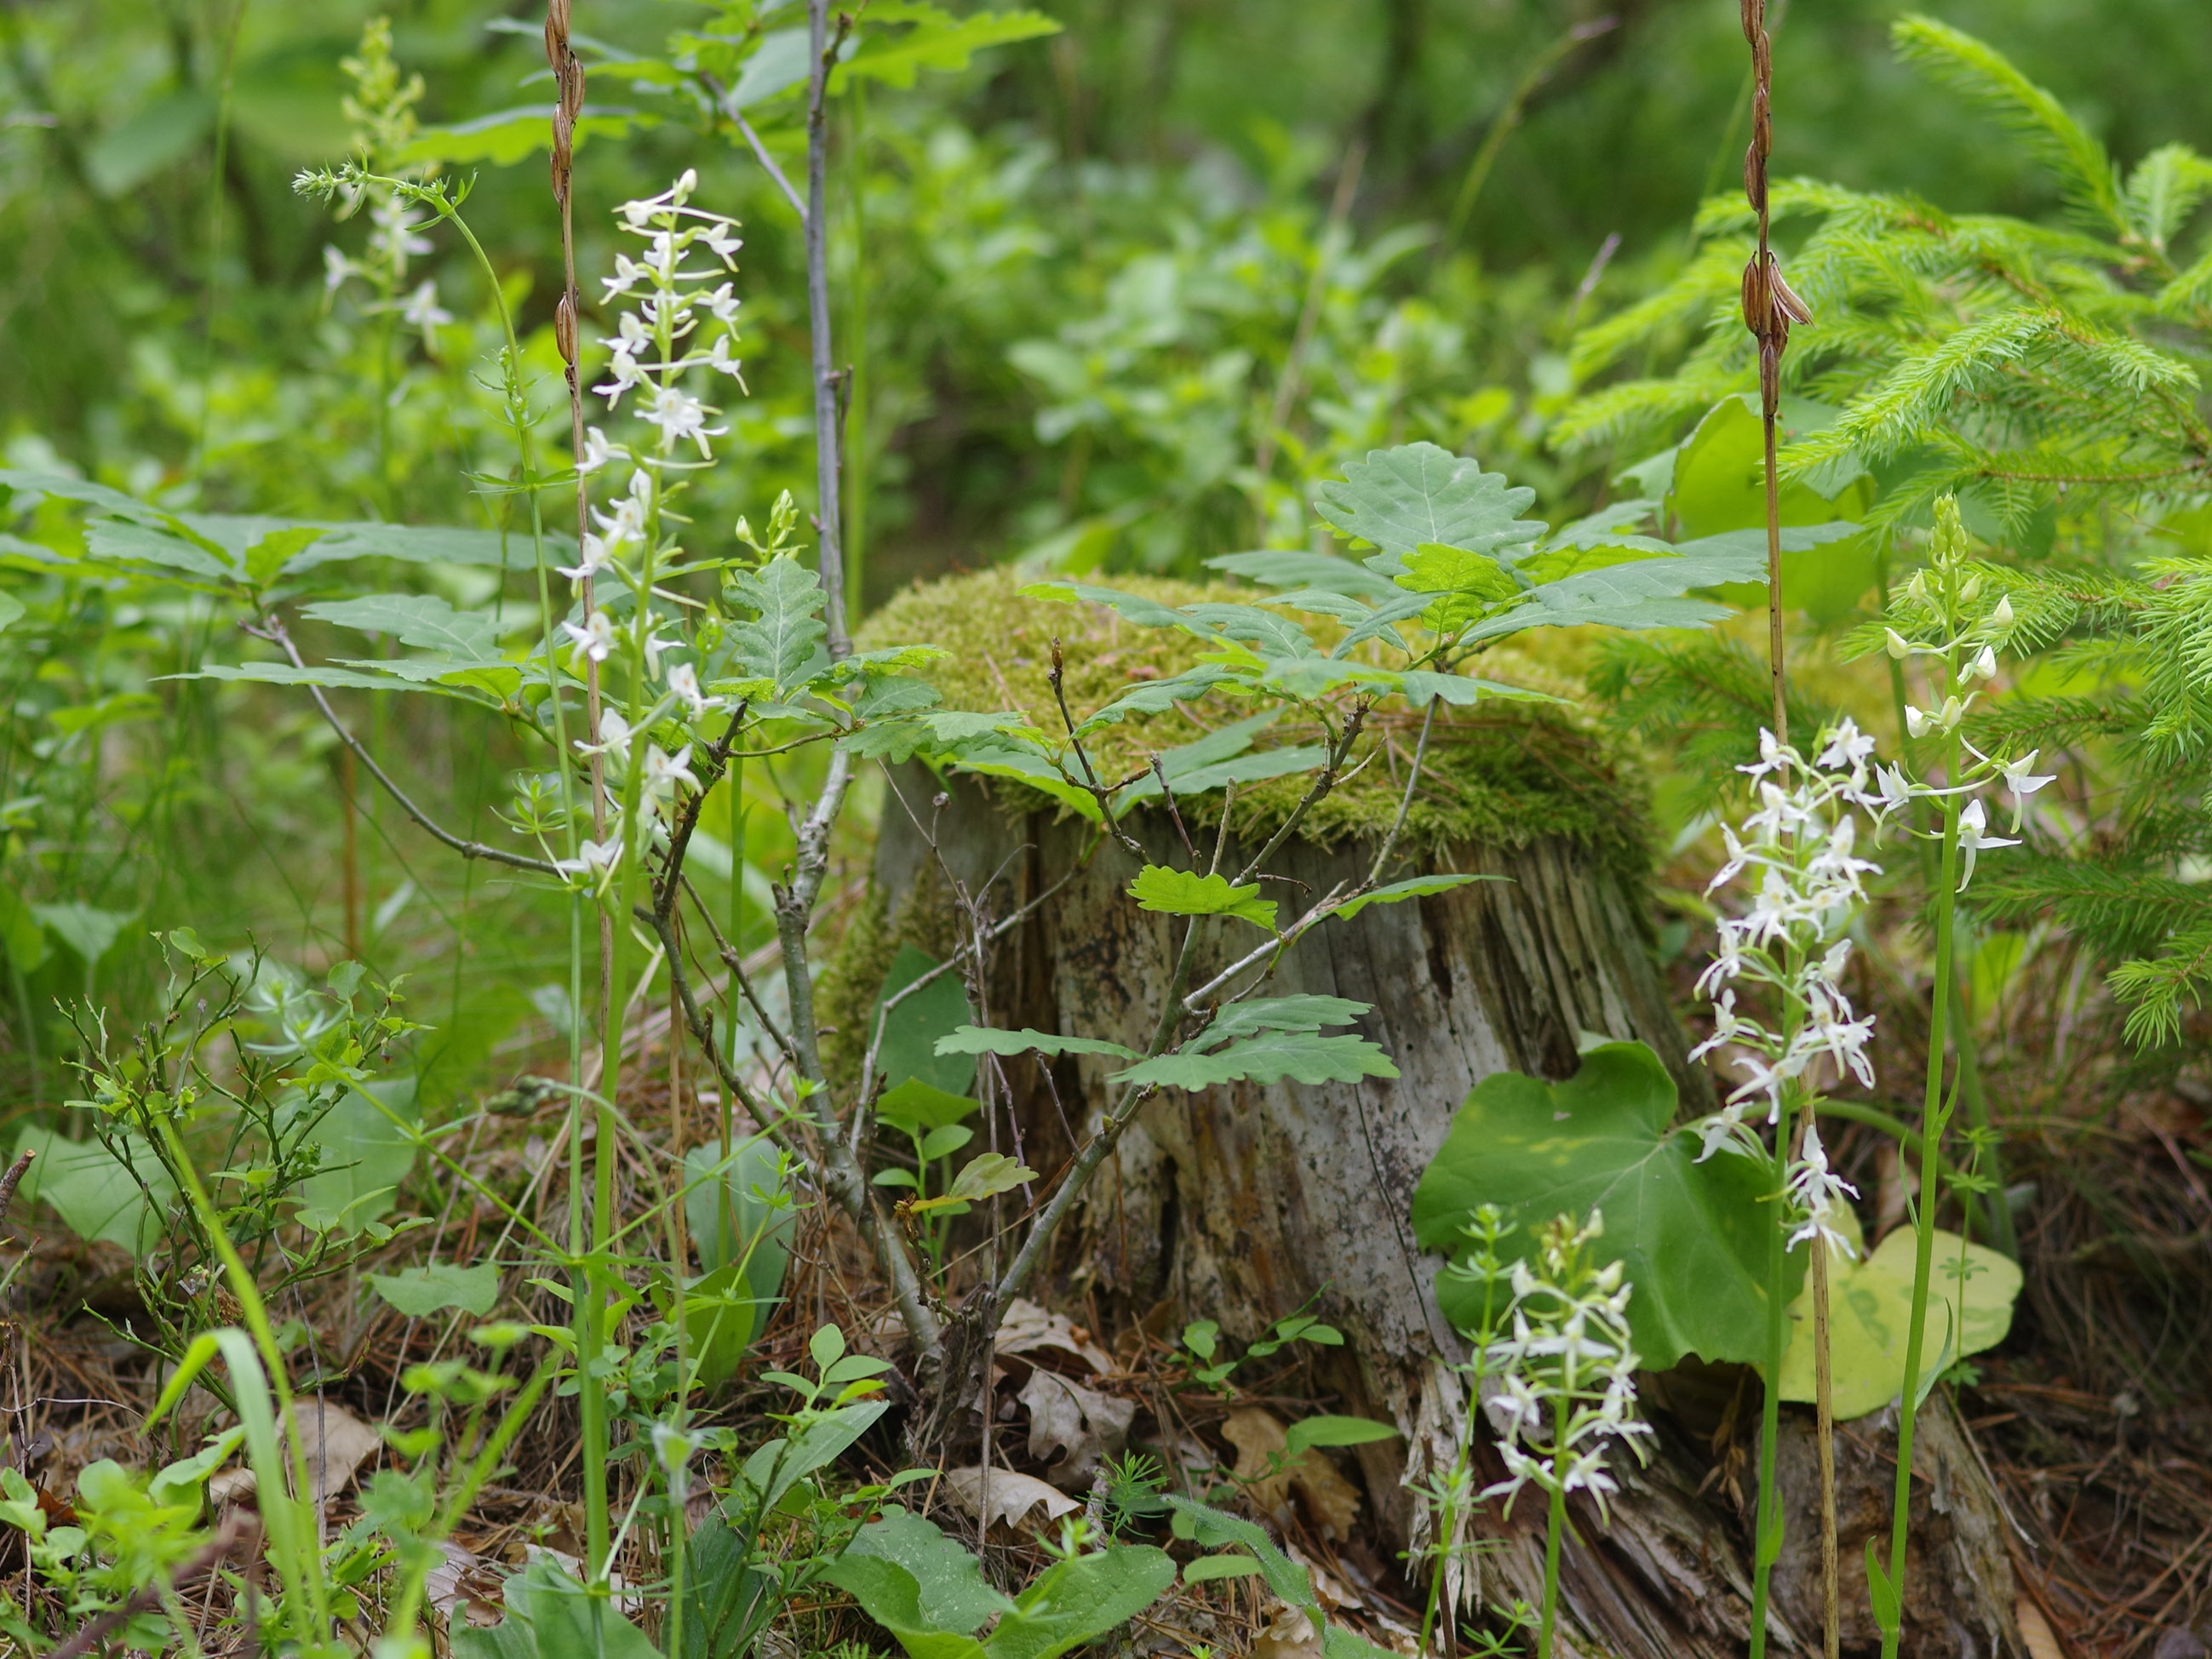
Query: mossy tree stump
point(1247, 1203)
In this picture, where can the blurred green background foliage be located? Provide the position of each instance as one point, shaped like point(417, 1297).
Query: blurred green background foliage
point(1083, 259)
point(1115, 298)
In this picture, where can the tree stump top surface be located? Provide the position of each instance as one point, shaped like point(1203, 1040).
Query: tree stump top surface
point(1505, 772)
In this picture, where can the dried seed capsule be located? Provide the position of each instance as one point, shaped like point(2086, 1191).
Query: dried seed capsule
point(1793, 309)
point(1757, 308)
point(564, 329)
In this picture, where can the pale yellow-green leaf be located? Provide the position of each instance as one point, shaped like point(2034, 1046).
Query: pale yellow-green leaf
point(1870, 1313)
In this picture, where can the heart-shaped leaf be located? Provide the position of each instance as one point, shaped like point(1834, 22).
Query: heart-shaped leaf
point(1870, 1315)
point(1692, 1235)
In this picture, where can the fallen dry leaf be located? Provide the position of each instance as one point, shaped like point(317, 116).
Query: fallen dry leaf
point(463, 1585)
point(337, 1444)
point(1289, 1635)
point(1074, 1429)
point(1012, 1497)
point(1331, 1591)
point(1258, 1436)
point(1330, 1500)
point(1028, 1328)
point(2035, 1631)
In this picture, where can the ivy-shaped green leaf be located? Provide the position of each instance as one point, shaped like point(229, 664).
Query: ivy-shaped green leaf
point(1870, 1316)
point(1186, 893)
point(787, 627)
point(1399, 499)
point(418, 1292)
point(1693, 1236)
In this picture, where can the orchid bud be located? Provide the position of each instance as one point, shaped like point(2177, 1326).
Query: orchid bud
point(1983, 666)
point(2001, 617)
point(1895, 641)
point(1916, 720)
point(1917, 587)
point(1970, 588)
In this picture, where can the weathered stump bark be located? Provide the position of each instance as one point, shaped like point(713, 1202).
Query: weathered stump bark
point(1244, 1204)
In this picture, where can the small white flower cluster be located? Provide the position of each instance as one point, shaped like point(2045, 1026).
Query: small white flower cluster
point(395, 238)
point(656, 348)
point(1562, 1388)
point(654, 351)
point(1801, 841)
point(655, 344)
point(1949, 593)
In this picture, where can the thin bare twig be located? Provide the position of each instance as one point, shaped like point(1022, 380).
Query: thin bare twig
point(1056, 679)
point(721, 98)
point(1175, 812)
point(843, 1178)
point(274, 633)
point(828, 457)
point(1769, 309)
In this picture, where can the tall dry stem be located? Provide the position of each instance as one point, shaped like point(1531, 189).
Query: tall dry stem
point(1769, 308)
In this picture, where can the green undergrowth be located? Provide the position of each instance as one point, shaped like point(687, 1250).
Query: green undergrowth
point(1503, 774)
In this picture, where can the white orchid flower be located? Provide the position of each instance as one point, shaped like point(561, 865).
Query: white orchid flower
point(663, 772)
point(683, 680)
point(595, 638)
point(1973, 837)
point(2019, 782)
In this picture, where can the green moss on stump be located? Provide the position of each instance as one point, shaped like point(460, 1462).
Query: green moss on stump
point(1502, 774)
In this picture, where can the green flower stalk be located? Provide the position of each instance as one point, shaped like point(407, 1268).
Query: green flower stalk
point(1449, 1492)
point(677, 327)
point(1789, 950)
point(1566, 1386)
point(1944, 614)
